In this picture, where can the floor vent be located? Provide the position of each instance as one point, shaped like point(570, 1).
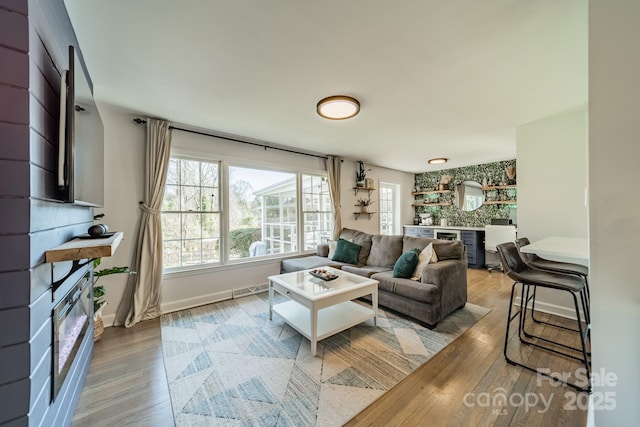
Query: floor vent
point(250, 290)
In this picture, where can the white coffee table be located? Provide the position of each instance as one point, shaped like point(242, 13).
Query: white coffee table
point(317, 308)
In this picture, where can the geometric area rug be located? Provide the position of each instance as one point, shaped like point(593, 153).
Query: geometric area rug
point(228, 365)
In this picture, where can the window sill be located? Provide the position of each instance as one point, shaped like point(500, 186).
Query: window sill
point(232, 265)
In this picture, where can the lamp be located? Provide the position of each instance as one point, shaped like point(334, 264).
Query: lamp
point(338, 107)
point(438, 161)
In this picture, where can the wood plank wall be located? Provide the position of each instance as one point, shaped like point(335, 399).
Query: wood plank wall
point(33, 38)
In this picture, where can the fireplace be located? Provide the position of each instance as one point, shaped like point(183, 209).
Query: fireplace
point(70, 323)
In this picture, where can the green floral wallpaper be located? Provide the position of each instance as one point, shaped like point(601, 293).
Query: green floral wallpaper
point(487, 174)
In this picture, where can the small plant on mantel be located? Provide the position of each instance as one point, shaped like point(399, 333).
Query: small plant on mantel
point(363, 203)
point(99, 295)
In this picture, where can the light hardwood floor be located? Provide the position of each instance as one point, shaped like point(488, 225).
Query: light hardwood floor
point(460, 386)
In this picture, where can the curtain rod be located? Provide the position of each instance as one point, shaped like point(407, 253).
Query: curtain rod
point(140, 121)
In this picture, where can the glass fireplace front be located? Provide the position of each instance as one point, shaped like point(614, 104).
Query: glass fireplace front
point(70, 322)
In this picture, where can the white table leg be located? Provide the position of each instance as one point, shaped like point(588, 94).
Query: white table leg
point(314, 329)
point(270, 299)
point(374, 305)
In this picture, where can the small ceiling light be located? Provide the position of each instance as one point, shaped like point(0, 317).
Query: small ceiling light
point(338, 107)
point(438, 161)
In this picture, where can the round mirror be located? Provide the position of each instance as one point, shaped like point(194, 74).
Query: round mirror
point(468, 196)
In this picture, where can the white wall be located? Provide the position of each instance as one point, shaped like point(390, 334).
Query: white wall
point(124, 169)
point(552, 176)
point(614, 173)
point(552, 180)
point(377, 173)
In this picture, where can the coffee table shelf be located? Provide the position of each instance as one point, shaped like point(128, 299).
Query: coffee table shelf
point(331, 320)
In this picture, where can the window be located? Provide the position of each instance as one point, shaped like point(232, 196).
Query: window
point(317, 210)
point(191, 213)
point(389, 217)
point(262, 212)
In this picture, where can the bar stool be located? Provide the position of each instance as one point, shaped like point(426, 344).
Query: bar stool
point(557, 267)
point(529, 278)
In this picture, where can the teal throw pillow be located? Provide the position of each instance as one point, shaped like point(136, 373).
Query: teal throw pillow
point(406, 264)
point(347, 251)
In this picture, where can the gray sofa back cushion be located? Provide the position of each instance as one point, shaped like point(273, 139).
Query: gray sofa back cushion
point(418, 243)
point(448, 250)
point(360, 238)
point(385, 250)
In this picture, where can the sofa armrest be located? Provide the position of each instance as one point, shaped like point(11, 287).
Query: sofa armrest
point(451, 277)
point(322, 250)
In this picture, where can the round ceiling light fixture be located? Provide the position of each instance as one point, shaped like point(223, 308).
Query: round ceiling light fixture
point(438, 161)
point(338, 107)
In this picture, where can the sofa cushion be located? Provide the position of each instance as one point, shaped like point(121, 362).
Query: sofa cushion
point(405, 265)
point(448, 250)
point(385, 250)
point(424, 292)
point(362, 239)
point(347, 251)
point(365, 271)
point(303, 263)
point(427, 256)
point(419, 243)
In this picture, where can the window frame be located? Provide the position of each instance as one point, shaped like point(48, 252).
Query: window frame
point(225, 163)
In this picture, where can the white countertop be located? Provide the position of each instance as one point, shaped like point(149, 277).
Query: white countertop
point(570, 247)
point(448, 227)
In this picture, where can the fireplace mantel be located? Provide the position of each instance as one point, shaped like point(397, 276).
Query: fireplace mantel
point(78, 249)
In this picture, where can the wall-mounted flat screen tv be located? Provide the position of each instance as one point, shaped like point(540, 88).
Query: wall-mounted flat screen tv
point(81, 161)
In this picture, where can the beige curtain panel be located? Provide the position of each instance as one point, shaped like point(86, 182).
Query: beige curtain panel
point(142, 296)
point(334, 164)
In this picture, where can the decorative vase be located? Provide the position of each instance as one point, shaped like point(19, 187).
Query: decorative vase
point(363, 209)
point(360, 184)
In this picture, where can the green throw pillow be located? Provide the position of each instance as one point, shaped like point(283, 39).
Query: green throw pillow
point(406, 264)
point(346, 251)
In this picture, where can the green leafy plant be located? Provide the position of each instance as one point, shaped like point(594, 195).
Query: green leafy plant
point(362, 202)
point(99, 292)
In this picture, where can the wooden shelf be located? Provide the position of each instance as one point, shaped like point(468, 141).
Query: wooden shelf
point(500, 202)
point(430, 192)
point(78, 249)
point(498, 187)
point(357, 214)
point(432, 204)
point(367, 189)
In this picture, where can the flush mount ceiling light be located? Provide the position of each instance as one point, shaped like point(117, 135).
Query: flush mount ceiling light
point(338, 107)
point(438, 161)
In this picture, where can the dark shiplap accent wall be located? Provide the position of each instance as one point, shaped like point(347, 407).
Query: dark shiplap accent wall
point(33, 37)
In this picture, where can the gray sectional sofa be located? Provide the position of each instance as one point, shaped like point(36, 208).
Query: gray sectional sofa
point(441, 290)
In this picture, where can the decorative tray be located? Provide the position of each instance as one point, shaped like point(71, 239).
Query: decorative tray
point(323, 275)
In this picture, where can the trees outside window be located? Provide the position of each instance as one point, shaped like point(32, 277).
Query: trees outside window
point(266, 209)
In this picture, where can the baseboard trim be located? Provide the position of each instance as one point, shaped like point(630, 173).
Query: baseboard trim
point(557, 310)
point(187, 303)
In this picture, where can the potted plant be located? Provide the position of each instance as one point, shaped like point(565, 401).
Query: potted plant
point(361, 174)
point(99, 293)
point(363, 203)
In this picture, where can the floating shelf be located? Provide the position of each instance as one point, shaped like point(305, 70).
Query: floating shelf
point(367, 189)
point(78, 249)
point(498, 187)
point(357, 214)
point(432, 204)
point(500, 202)
point(417, 193)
